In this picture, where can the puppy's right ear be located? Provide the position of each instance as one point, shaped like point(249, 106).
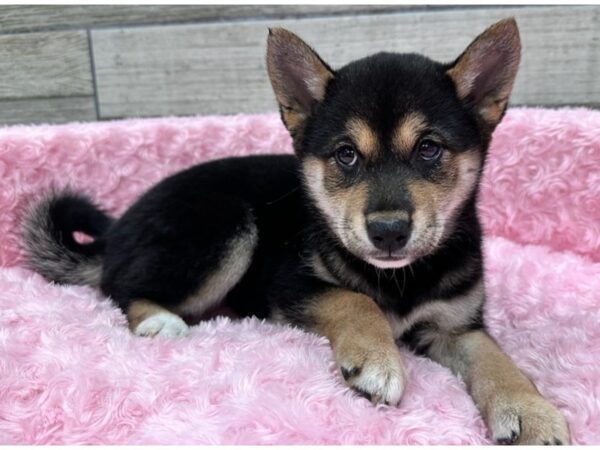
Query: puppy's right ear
point(298, 75)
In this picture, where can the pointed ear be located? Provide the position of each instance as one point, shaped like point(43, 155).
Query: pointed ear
point(298, 75)
point(484, 74)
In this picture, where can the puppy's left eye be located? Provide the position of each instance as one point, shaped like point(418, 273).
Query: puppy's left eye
point(429, 150)
point(346, 156)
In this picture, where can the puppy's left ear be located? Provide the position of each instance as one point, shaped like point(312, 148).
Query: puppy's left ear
point(485, 73)
point(298, 75)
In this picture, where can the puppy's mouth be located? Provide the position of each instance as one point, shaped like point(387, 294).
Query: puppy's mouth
point(405, 256)
point(380, 259)
point(387, 261)
point(386, 256)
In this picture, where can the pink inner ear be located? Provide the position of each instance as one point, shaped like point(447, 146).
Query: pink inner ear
point(82, 238)
point(487, 68)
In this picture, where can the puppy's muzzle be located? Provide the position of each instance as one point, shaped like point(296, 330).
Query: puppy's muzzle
point(388, 233)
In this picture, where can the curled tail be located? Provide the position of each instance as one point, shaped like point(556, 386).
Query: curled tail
point(51, 248)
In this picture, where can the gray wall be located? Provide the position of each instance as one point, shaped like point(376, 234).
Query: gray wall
point(65, 63)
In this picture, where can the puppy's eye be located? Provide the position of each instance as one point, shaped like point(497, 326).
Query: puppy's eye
point(429, 150)
point(346, 156)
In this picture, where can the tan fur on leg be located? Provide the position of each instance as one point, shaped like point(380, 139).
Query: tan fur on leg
point(512, 407)
point(362, 343)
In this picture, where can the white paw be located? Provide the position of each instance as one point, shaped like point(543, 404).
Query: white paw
point(380, 376)
point(162, 324)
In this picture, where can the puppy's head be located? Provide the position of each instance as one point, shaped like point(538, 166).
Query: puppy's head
point(392, 145)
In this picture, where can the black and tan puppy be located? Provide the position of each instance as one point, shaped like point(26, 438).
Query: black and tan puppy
point(367, 235)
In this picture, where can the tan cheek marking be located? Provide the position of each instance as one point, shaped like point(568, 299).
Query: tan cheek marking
point(351, 200)
point(311, 167)
point(351, 203)
point(425, 197)
point(355, 212)
point(363, 136)
point(465, 167)
point(407, 132)
point(468, 162)
point(142, 309)
point(437, 200)
point(339, 205)
point(320, 180)
point(468, 165)
point(431, 194)
point(313, 171)
point(332, 177)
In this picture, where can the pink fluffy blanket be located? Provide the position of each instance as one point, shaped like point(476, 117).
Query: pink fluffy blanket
point(70, 371)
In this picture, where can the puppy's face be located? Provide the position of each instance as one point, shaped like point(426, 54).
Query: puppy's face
point(392, 145)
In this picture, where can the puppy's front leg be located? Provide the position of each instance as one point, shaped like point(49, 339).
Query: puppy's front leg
point(513, 409)
point(362, 343)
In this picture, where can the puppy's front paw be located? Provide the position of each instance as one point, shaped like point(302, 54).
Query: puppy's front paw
point(162, 324)
point(377, 373)
point(524, 418)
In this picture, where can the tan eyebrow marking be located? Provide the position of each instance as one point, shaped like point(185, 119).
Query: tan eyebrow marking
point(407, 132)
point(363, 136)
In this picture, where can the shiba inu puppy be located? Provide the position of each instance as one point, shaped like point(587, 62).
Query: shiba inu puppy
point(367, 235)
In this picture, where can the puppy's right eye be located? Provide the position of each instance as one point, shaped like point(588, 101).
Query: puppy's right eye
point(346, 156)
point(429, 150)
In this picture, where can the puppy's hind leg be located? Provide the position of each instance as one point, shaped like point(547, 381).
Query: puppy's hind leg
point(231, 266)
point(182, 262)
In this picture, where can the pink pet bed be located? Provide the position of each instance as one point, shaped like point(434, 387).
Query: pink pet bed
point(71, 373)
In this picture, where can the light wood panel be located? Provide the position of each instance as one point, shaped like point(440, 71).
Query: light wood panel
point(219, 68)
point(55, 64)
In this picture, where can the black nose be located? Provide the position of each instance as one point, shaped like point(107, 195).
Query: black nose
point(388, 234)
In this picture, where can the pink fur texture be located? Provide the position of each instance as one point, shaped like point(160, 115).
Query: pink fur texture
point(71, 373)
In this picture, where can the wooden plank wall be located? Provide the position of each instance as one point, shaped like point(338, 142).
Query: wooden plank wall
point(65, 63)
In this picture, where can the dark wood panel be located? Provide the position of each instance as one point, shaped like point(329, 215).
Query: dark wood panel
point(52, 17)
point(47, 110)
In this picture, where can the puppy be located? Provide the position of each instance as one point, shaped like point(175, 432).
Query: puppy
point(368, 234)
